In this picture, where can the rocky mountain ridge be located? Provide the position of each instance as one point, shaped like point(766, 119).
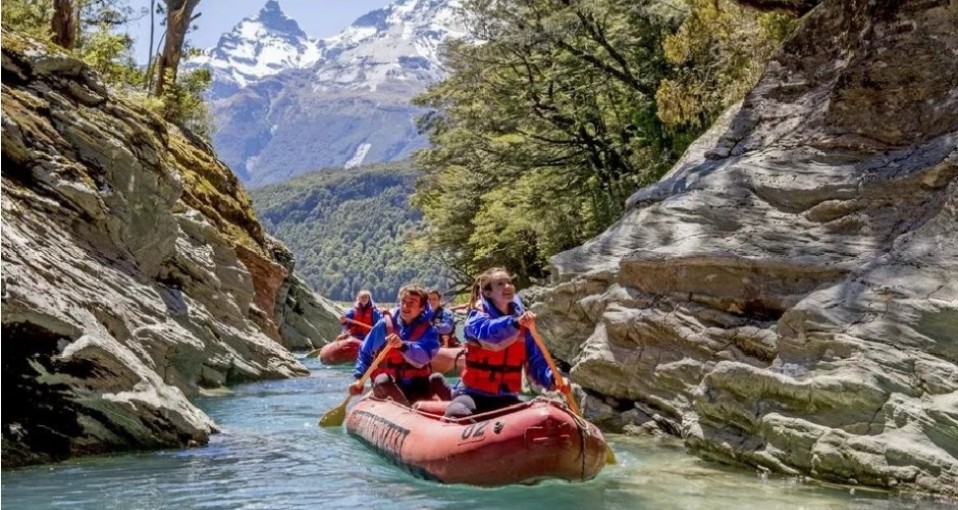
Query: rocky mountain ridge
point(285, 103)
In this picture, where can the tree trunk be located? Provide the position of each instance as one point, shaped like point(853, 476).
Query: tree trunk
point(63, 24)
point(179, 13)
point(149, 59)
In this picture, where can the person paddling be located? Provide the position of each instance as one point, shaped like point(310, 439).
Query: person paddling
point(498, 346)
point(405, 374)
point(443, 319)
point(358, 320)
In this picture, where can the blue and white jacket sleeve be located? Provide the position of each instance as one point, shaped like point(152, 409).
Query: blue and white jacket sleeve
point(421, 353)
point(492, 333)
point(446, 323)
point(374, 341)
point(536, 365)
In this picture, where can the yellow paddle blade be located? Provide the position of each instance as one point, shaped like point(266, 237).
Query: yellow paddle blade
point(334, 417)
point(609, 455)
point(313, 353)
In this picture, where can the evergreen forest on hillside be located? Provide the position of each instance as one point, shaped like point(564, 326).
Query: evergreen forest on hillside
point(347, 229)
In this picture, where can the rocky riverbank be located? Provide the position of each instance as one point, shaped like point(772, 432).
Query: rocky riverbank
point(134, 271)
point(786, 298)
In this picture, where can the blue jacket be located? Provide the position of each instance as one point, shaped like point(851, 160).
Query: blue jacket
point(418, 353)
point(445, 321)
point(492, 329)
point(351, 315)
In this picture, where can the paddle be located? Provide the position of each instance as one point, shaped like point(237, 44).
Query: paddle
point(357, 323)
point(563, 387)
point(335, 416)
point(560, 381)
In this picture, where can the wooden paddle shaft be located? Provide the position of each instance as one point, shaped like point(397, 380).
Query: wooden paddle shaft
point(375, 363)
point(357, 323)
point(560, 382)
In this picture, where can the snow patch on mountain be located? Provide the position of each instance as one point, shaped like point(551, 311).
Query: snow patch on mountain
point(376, 48)
point(359, 156)
point(285, 104)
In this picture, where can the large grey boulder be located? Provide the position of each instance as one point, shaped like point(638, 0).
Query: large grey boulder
point(134, 272)
point(787, 296)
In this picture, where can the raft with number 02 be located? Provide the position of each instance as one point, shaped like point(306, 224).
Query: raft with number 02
point(448, 360)
point(522, 443)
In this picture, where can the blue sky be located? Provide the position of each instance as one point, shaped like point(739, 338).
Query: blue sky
point(318, 18)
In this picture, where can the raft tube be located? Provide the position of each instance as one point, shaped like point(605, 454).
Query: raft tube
point(338, 352)
point(523, 443)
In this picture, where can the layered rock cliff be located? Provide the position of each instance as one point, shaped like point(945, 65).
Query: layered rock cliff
point(134, 272)
point(787, 296)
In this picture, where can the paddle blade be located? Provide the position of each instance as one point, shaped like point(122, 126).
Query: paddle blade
point(313, 353)
point(334, 417)
point(609, 455)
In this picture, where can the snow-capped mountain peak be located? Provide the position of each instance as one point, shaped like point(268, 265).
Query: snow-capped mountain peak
point(263, 45)
point(285, 104)
point(399, 42)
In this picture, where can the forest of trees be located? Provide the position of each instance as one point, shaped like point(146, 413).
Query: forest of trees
point(349, 229)
point(541, 133)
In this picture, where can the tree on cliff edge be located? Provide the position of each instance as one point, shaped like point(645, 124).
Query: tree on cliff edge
point(63, 23)
point(179, 14)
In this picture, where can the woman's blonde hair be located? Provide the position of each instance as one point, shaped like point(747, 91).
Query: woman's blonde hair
point(360, 294)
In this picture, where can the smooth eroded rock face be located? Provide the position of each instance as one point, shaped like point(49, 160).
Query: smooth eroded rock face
point(787, 296)
point(134, 272)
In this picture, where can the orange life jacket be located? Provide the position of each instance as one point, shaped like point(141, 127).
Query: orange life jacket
point(395, 363)
point(364, 316)
point(495, 372)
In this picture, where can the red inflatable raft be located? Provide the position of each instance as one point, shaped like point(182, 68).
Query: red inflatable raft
point(338, 352)
point(342, 351)
point(449, 360)
point(519, 444)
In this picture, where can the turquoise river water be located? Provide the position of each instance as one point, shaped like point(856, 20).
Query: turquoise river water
point(272, 455)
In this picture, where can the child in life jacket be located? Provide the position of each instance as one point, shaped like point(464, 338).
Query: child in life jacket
point(498, 346)
point(358, 320)
point(443, 319)
point(405, 375)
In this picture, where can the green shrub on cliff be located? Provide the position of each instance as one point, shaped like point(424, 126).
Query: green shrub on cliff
point(103, 45)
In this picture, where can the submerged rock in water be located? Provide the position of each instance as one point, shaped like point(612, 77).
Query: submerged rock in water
point(788, 293)
point(134, 271)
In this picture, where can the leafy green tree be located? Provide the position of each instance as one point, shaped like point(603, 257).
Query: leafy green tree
point(541, 132)
point(555, 115)
point(29, 17)
point(717, 54)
